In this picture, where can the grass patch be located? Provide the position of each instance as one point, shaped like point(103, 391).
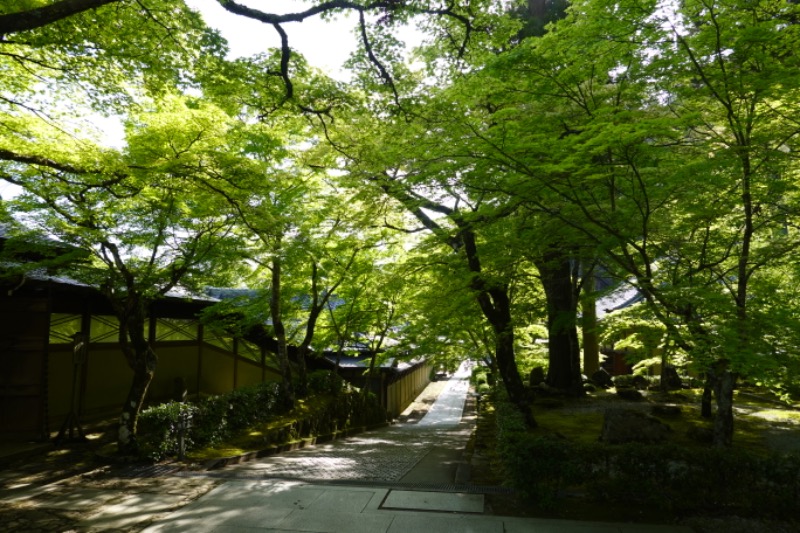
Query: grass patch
point(561, 470)
point(580, 420)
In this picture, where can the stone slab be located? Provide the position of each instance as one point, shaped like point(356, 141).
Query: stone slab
point(454, 502)
point(427, 523)
point(345, 501)
point(335, 522)
point(527, 525)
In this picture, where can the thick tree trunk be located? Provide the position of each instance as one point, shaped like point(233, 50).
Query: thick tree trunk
point(128, 421)
point(507, 365)
point(37, 17)
point(142, 360)
point(288, 395)
point(500, 319)
point(723, 422)
point(564, 371)
point(302, 372)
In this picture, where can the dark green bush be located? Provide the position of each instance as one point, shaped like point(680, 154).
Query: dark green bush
point(217, 418)
point(210, 424)
point(665, 476)
point(479, 375)
point(250, 405)
point(158, 429)
point(325, 382)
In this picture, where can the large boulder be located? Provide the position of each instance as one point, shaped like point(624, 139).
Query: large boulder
point(602, 379)
point(630, 394)
point(640, 382)
point(627, 425)
point(536, 376)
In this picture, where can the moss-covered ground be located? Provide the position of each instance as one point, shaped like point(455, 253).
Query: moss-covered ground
point(762, 426)
point(258, 438)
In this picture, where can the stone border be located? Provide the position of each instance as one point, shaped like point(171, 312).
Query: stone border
point(213, 464)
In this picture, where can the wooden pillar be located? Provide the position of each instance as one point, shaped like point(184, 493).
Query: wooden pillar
point(86, 325)
point(200, 335)
point(235, 362)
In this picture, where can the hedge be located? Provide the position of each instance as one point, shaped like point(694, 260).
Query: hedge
point(666, 476)
point(218, 418)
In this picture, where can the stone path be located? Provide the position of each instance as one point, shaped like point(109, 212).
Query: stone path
point(351, 485)
point(385, 454)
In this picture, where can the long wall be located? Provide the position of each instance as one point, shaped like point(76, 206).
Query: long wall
point(104, 380)
point(404, 390)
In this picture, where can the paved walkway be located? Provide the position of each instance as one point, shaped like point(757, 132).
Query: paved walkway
point(364, 484)
point(404, 478)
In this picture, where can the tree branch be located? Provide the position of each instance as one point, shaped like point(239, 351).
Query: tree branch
point(42, 16)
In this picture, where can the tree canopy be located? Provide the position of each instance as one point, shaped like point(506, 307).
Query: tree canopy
point(457, 205)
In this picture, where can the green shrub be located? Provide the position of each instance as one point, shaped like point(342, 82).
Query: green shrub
point(158, 429)
point(325, 382)
point(479, 375)
point(666, 476)
point(251, 405)
point(210, 424)
point(217, 418)
point(483, 389)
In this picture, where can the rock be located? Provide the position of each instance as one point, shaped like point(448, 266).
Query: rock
point(640, 382)
point(629, 393)
point(588, 387)
point(626, 425)
point(602, 379)
point(623, 380)
point(536, 376)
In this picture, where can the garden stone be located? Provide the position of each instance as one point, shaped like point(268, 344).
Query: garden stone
point(640, 382)
point(626, 425)
point(536, 376)
point(629, 393)
point(602, 378)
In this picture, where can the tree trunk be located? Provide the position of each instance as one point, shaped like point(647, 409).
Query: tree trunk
point(495, 304)
point(507, 365)
point(302, 372)
point(705, 403)
point(591, 342)
point(288, 395)
point(723, 422)
point(142, 360)
point(564, 371)
point(492, 296)
point(129, 419)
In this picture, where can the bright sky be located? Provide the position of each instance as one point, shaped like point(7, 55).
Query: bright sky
point(325, 44)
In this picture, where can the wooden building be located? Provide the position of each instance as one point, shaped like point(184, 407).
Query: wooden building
point(39, 320)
